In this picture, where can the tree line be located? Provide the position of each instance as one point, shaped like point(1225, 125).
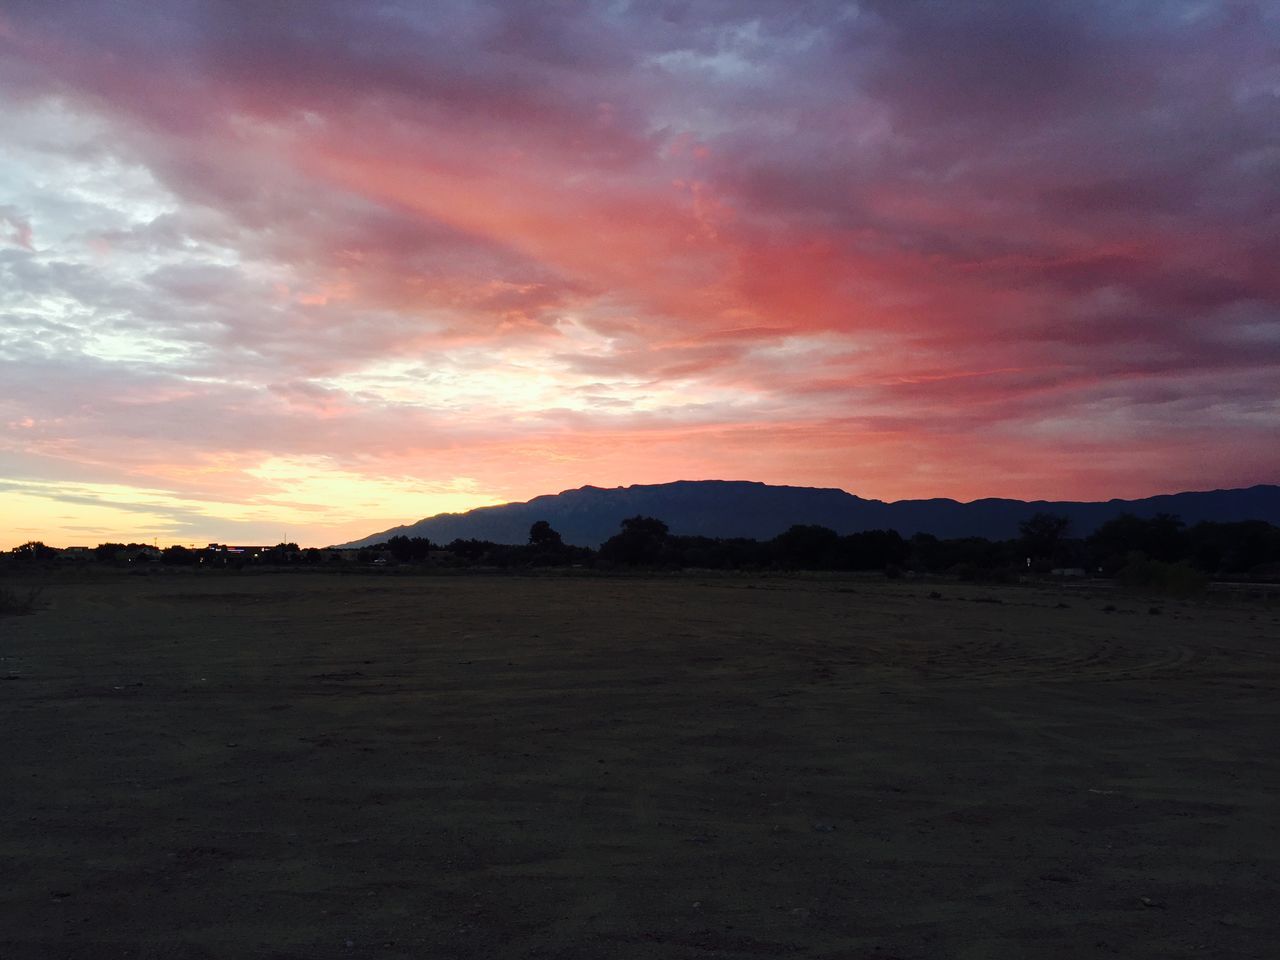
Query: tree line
point(1122, 546)
point(1160, 549)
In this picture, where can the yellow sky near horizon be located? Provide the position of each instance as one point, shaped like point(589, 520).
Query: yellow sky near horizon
point(301, 500)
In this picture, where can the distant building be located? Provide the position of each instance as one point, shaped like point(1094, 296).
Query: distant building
point(243, 549)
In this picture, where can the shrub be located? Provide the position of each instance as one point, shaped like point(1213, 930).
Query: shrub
point(1174, 579)
point(18, 602)
point(981, 573)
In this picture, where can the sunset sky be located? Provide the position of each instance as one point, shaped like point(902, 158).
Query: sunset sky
point(306, 270)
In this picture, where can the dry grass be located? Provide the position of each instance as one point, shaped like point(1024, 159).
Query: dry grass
point(338, 766)
point(19, 602)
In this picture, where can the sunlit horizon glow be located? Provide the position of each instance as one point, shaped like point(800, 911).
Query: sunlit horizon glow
point(305, 271)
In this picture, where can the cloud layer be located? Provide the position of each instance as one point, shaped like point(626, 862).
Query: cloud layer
point(320, 266)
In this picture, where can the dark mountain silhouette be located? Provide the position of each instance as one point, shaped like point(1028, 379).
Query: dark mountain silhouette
point(588, 516)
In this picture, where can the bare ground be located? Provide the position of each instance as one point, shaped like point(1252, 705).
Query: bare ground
point(308, 765)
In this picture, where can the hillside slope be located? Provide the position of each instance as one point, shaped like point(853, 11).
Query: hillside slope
point(589, 515)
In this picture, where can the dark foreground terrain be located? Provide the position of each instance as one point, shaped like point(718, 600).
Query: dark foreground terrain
point(305, 765)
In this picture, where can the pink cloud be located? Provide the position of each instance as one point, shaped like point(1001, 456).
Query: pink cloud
point(907, 253)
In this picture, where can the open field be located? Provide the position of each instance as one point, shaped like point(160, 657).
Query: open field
point(312, 765)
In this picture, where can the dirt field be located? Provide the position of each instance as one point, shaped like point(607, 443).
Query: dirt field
point(309, 765)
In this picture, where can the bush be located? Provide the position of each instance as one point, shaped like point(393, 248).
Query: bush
point(972, 572)
point(1174, 579)
point(18, 602)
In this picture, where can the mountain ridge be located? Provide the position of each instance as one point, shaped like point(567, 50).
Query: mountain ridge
point(588, 515)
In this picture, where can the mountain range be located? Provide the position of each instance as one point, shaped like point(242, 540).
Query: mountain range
point(587, 516)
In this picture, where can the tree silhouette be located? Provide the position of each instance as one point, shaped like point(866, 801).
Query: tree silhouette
point(1041, 534)
point(33, 550)
point(806, 546)
point(645, 526)
point(643, 541)
point(409, 549)
point(542, 536)
point(178, 556)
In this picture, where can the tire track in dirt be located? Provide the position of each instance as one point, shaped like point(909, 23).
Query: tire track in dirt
point(1050, 658)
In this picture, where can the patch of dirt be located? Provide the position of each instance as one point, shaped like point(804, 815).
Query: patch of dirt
point(505, 767)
